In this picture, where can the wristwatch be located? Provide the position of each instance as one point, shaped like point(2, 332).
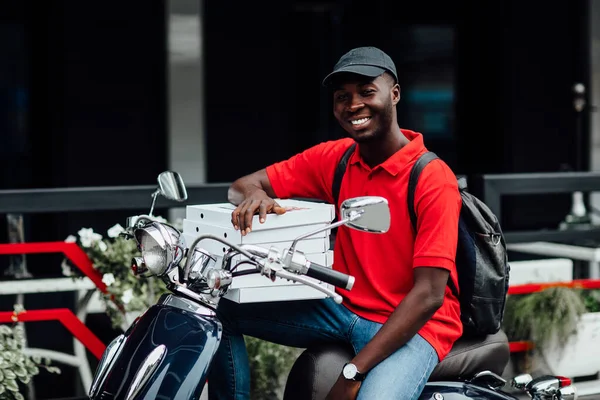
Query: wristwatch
point(351, 373)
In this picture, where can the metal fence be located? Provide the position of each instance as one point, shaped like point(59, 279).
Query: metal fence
point(490, 187)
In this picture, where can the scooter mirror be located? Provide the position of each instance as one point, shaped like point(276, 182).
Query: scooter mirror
point(367, 213)
point(171, 186)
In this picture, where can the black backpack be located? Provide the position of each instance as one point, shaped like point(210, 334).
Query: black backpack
point(481, 254)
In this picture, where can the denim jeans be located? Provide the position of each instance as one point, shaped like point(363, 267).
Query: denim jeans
point(302, 324)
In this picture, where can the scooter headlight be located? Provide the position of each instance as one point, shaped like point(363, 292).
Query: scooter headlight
point(159, 246)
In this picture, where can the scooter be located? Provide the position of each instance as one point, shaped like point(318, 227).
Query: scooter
point(168, 349)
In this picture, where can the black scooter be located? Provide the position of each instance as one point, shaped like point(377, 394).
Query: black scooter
point(167, 351)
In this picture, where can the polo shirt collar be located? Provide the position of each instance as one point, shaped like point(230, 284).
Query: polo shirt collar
point(398, 160)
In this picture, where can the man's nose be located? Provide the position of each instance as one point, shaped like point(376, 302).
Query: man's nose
point(355, 103)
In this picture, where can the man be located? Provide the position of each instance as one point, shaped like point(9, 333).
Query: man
point(401, 318)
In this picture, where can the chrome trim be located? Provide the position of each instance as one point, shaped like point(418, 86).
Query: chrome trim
point(218, 279)
point(521, 381)
point(106, 362)
point(143, 374)
point(202, 260)
point(167, 239)
point(568, 393)
point(544, 388)
point(351, 281)
point(488, 379)
point(187, 305)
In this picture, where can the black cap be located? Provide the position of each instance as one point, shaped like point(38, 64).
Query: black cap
point(367, 61)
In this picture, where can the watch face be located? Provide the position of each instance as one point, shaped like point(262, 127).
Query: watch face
point(349, 371)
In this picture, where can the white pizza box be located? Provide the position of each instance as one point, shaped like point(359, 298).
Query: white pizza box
point(276, 293)
point(217, 248)
point(283, 234)
point(300, 212)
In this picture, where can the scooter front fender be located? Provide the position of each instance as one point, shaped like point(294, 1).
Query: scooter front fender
point(165, 354)
point(461, 391)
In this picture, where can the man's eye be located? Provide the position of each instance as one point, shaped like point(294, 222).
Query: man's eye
point(340, 97)
point(368, 92)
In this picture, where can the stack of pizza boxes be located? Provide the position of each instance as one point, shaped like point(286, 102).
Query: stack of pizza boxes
point(301, 217)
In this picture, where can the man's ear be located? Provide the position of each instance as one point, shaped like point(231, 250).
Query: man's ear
point(395, 94)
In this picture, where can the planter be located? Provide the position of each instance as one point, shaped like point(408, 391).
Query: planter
point(581, 354)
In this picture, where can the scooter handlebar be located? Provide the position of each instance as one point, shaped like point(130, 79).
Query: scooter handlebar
point(330, 276)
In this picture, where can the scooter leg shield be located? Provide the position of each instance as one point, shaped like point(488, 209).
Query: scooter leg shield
point(166, 354)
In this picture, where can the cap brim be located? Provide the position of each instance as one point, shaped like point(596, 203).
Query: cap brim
point(365, 70)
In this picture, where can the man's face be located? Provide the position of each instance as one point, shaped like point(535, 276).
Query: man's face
point(364, 106)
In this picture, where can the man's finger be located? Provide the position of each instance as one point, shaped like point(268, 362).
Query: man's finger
point(235, 214)
point(277, 209)
point(241, 216)
point(249, 214)
point(262, 211)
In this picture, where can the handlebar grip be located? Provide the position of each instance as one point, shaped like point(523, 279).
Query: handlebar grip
point(330, 276)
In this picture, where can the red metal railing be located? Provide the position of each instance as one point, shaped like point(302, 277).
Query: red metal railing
point(71, 250)
point(538, 287)
point(80, 259)
point(64, 316)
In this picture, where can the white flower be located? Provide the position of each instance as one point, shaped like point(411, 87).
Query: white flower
point(18, 308)
point(66, 269)
point(103, 247)
point(115, 230)
point(89, 237)
point(108, 279)
point(127, 296)
point(71, 239)
point(178, 224)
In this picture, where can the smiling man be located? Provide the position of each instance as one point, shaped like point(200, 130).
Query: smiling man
point(401, 318)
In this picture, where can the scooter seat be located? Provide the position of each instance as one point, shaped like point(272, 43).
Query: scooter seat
point(317, 368)
point(472, 355)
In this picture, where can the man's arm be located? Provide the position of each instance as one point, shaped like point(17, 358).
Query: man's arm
point(245, 186)
point(252, 193)
point(419, 305)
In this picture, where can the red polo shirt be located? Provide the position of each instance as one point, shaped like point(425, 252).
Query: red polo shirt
point(383, 263)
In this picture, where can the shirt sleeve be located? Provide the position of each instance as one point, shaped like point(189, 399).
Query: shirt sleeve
point(438, 204)
point(308, 174)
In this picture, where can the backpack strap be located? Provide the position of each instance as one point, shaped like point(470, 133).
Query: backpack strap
point(416, 170)
point(339, 173)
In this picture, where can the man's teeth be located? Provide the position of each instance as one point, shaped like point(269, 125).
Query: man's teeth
point(359, 121)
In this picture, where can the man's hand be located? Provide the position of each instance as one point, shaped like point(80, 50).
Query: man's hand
point(344, 389)
point(258, 201)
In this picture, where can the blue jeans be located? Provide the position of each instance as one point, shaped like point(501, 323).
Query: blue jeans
point(305, 323)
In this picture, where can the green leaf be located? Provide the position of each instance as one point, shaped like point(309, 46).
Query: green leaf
point(54, 370)
point(11, 385)
point(19, 396)
point(26, 379)
point(33, 369)
point(20, 371)
point(2, 388)
point(9, 375)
